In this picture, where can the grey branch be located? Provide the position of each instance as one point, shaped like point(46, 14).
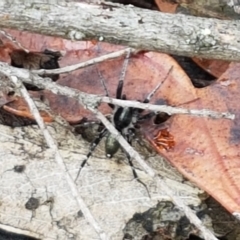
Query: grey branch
point(92, 101)
point(126, 25)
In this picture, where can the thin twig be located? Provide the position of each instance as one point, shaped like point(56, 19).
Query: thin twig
point(58, 158)
point(91, 100)
point(86, 63)
point(168, 109)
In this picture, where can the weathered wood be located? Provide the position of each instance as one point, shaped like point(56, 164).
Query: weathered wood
point(126, 25)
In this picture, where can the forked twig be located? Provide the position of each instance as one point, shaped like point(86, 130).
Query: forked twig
point(58, 158)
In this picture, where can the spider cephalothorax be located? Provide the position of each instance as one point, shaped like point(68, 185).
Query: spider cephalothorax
point(125, 120)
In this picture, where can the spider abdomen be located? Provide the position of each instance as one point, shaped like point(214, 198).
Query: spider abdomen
point(111, 146)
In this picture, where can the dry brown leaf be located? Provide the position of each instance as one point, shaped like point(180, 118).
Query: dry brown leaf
point(207, 150)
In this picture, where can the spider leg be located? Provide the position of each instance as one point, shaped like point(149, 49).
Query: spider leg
point(105, 87)
point(135, 174)
point(85, 124)
point(91, 150)
point(103, 82)
point(146, 116)
point(120, 83)
point(122, 77)
point(129, 137)
point(133, 168)
point(150, 95)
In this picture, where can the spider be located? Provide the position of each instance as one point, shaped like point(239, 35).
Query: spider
point(125, 120)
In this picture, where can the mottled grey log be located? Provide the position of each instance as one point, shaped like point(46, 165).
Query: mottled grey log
point(126, 25)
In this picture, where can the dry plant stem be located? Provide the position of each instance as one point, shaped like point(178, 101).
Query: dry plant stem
point(91, 100)
point(58, 158)
point(126, 25)
point(163, 185)
point(168, 109)
point(87, 63)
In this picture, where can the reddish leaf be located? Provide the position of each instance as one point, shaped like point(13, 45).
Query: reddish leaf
point(207, 150)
